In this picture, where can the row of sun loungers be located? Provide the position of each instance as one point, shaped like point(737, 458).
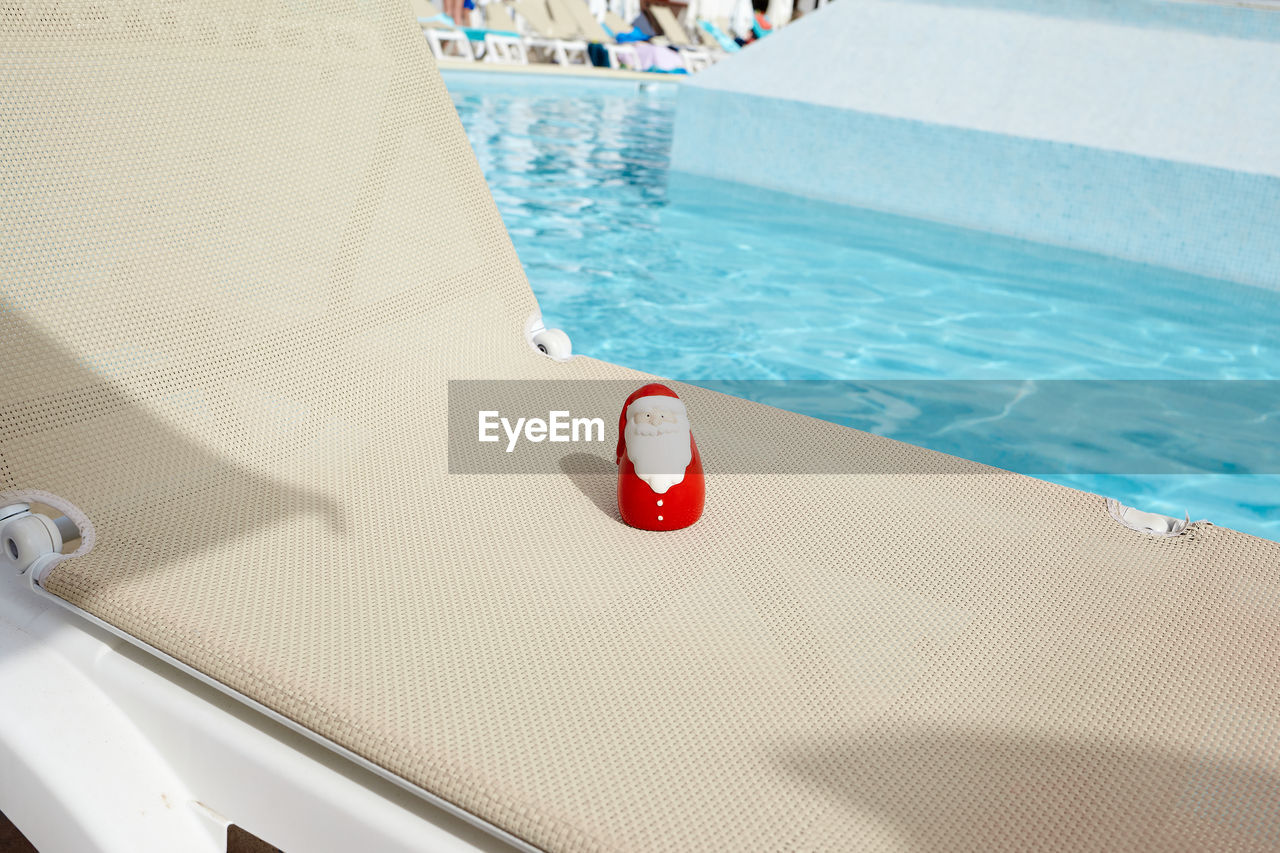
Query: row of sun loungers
point(561, 31)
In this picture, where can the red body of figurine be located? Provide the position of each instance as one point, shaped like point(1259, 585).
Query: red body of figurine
point(660, 481)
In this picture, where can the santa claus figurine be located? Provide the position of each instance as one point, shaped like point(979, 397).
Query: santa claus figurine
point(660, 482)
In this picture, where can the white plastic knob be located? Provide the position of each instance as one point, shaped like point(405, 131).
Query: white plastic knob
point(27, 538)
point(554, 343)
point(1151, 523)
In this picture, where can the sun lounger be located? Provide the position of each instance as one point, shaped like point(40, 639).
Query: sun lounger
point(614, 22)
point(695, 57)
point(500, 38)
point(652, 54)
point(589, 28)
point(556, 39)
point(229, 334)
point(715, 39)
point(442, 33)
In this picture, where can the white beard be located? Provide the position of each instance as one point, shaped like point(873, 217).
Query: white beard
point(660, 454)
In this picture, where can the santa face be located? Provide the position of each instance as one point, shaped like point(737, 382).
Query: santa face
point(657, 442)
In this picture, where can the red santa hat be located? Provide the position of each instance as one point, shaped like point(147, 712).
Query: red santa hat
point(653, 389)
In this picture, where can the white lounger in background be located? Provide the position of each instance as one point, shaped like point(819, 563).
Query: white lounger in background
point(615, 22)
point(590, 29)
point(710, 33)
point(502, 41)
point(440, 34)
point(695, 58)
point(559, 41)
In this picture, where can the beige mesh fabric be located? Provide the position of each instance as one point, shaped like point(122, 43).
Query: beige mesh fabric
point(245, 246)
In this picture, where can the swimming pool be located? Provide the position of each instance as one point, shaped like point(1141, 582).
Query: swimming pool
point(703, 281)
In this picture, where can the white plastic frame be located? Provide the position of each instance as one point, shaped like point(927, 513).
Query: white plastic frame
point(109, 744)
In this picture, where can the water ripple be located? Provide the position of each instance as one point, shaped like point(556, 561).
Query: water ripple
point(705, 280)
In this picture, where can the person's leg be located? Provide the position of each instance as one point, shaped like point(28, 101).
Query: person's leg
point(453, 8)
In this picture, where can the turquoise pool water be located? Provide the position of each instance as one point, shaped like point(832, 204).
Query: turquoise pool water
point(702, 280)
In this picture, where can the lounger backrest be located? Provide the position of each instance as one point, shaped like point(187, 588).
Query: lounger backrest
point(496, 17)
point(670, 26)
point(577, 12)
point(539, 20)
point(615, 23)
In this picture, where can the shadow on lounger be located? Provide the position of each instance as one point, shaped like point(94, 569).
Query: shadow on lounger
point(949, 787)
point(597, 478)
point(123, 424)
